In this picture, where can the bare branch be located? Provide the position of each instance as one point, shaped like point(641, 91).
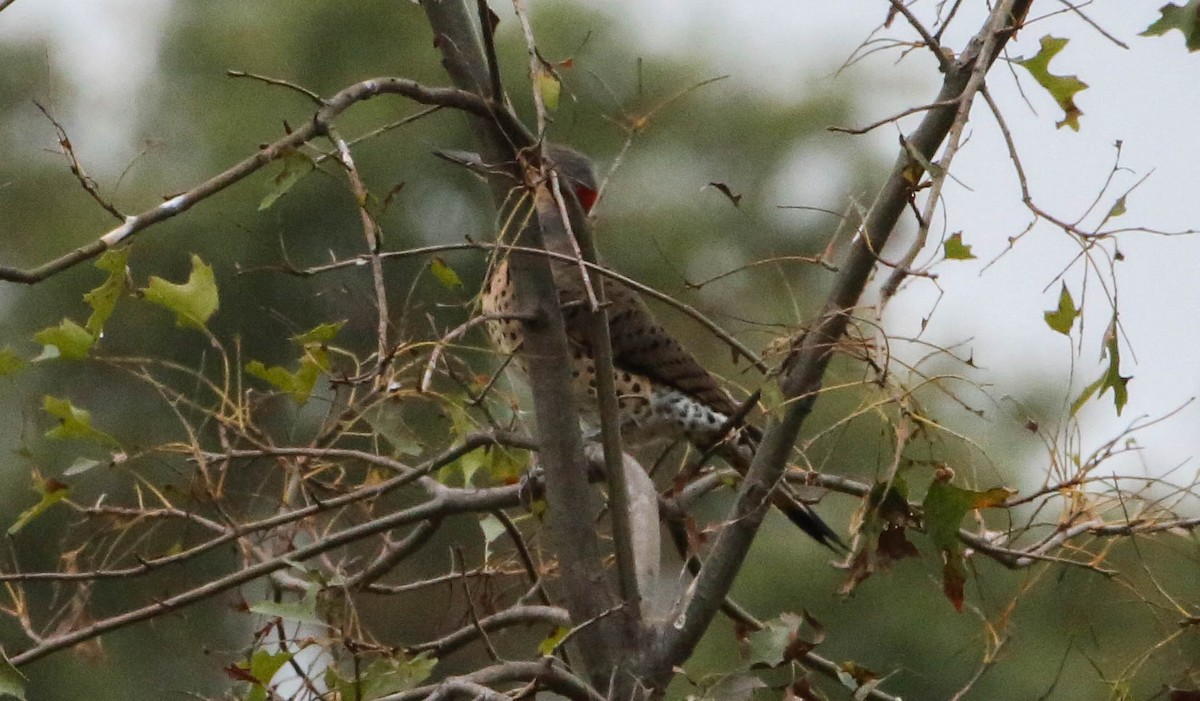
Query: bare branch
point(447, 502)
point(547, 673)
point(85, 180)
point(317, 126)
point(512, 616)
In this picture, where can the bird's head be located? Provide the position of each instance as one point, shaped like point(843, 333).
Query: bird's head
point(574, 169)
point(577, 171)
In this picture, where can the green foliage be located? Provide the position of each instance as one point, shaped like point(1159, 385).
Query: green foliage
point(1111, 377)
point(12, 682)
point(303, 611)
point(944, 508)
point(10, 362)
point(194, 301)
point(103, 299)
point(1063, 318)
point(296, 165)
point(314, 361)
point(1185, 18)
point(259, 670)
point(551, 642)
point(52, 492)
point(389, 675)
point(550, 88)
point(1062, 88)
point(71, 341)
point(786, 638)
point(74, 422)
point(68, 340)
point(492, 529)
point(954, 249)
point(444, 273)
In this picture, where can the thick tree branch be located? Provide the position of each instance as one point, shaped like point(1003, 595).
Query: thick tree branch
point(572, 537)
point(810, 357)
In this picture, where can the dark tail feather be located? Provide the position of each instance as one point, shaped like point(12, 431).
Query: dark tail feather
point(806, 519)
point(784, 498)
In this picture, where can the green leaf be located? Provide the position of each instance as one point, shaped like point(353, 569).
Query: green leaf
point(766, 647)
point(10, 362)
point(299, 384)
point(12, 682)
point(303, 611)
point(1087, 393)
point(53, 492)
point(551, 642)
point(492, 529)
point(319, 334)
point(471, 463)
point(1062, 88)
point(74, 422)
point(444, 273)
point(296, 165)
point(550, 88)
point(103, 299)
point(387, 419)
point(1063, 318)
point(70, 341)
point(1117, 209)
point(1185, 18)
point(1112, 378)
point(945, 506)
point(194, 301)
point(505, 465)
point(954, 248)
point(263, 666)
point(781, 641)
point(313, 361)
point(80, 466)
point(382, 677)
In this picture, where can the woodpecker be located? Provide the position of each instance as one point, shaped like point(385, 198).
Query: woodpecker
point(663, 392)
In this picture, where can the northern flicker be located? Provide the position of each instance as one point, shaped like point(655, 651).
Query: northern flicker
point(662, 390)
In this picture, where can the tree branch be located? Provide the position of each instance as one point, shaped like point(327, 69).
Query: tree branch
point(512, 616)
point(447, 502)
point(315, 127)
point(810, 356)
point(572, 537)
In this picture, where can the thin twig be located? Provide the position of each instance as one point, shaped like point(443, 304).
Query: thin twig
point(85, 180)
point(279, 82)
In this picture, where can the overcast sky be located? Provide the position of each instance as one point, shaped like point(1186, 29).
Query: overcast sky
point(1144, 96)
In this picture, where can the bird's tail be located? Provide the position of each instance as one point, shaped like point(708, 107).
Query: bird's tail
point(739, 451)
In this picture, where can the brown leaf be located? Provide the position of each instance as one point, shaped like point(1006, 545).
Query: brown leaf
point(860, 567)
point(894, 545)
point(953, 578)
point(797, 646)
point(239, 674)
point(724, 190)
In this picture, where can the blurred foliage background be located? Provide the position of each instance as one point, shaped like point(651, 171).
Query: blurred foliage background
point(1072, 631)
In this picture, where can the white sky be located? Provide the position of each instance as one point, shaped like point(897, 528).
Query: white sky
point(1145, 96)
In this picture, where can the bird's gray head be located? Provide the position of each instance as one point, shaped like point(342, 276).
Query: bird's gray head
point(576, 169)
